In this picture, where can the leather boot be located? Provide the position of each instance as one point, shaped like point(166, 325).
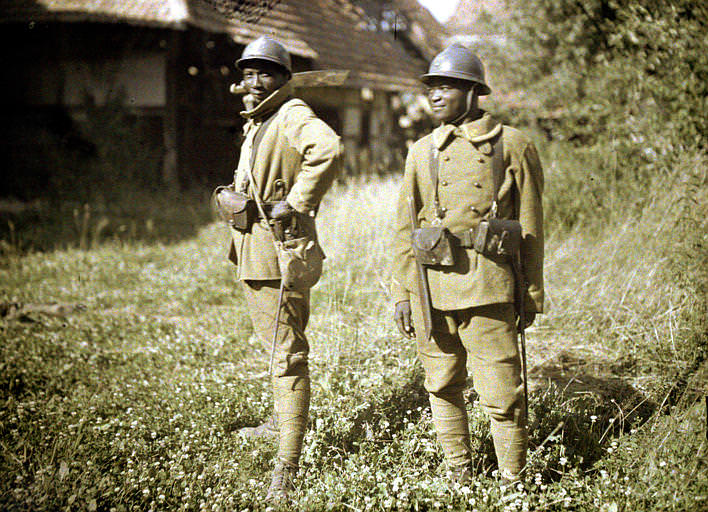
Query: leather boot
point(281, 484)
point(269, 428)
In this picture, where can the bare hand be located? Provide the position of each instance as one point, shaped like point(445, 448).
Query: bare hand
point(282, 210)
point(403, 319)
point(529, 317)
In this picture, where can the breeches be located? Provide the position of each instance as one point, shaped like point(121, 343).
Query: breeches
point(291, 348)
point(483, 340)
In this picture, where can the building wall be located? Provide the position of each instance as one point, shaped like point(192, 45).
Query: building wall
point(140, 77)
point(193, 123)
point(365, 122)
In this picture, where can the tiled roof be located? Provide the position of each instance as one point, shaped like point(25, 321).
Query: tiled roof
point(333, 33)
point(339, 32)
point(427, 33)
point(144, 12)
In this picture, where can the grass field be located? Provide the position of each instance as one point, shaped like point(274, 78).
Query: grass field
point(133, 403)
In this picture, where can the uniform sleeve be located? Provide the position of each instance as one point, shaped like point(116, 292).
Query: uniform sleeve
point(531, 218)
point(403, 266)
point(321, 151)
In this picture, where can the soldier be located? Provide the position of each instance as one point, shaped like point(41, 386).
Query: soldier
point(293, 156)
point(449, 175)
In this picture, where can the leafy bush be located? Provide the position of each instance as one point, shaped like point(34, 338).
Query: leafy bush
point(625, 82)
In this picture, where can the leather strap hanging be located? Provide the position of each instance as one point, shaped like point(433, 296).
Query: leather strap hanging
point(259, 136)
point(434, 177)
point(498, 171)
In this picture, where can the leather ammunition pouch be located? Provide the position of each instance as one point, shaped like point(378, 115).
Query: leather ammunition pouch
point(497, 238)
point(236, 209)
point(432, 246)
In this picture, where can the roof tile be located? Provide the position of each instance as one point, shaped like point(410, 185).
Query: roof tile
point(332, 33)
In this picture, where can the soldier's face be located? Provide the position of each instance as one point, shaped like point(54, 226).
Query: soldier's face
point(262, 78)
point(447, 98)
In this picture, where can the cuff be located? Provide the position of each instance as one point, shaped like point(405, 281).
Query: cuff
point(295, 200)
point(399, 294)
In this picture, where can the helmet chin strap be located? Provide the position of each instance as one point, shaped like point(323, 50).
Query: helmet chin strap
point(470, 97)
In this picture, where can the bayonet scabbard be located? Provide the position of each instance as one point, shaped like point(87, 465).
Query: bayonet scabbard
point(422, 277)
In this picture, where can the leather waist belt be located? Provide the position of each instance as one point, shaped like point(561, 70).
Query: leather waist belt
point(464, 238)
point(267, 208)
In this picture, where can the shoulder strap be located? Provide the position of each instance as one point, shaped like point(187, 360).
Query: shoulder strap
point(259, 136)
point(498, 170)
point(259, 204)
point(435, 175)
point(256, 192)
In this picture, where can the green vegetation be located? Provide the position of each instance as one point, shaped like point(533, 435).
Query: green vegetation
point(134, 402)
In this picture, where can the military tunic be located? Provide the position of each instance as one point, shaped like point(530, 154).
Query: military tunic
point(473, 316)
point(466, 191)
point(296, 160)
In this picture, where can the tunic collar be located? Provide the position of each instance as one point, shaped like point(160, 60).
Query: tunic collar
point(268, 105)
point(477, 131)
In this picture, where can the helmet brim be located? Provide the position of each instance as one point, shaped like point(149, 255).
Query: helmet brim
point(483, 89)
point(243, 62)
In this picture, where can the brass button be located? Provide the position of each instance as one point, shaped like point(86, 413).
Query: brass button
point(443, 209)
point(477, 184)
point(475, 210)
point(446, 158)
point(443, 183)
point(481, 159)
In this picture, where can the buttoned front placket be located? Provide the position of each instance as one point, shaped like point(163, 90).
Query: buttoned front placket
point(465, 182)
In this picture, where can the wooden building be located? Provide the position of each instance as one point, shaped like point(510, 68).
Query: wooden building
point(168, 64)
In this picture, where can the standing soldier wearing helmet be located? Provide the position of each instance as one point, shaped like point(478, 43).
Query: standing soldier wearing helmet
point(472, 270)
point(288, 160)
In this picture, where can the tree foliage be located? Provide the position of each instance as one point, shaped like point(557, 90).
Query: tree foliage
point(616, 65)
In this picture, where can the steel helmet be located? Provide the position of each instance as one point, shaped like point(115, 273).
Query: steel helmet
point(457, 61)
point(266, 48)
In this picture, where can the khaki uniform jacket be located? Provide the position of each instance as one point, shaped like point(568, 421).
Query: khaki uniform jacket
point(466, 192)
point(296, 160)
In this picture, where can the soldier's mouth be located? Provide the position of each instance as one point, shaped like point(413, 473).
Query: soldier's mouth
point(259, 94)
